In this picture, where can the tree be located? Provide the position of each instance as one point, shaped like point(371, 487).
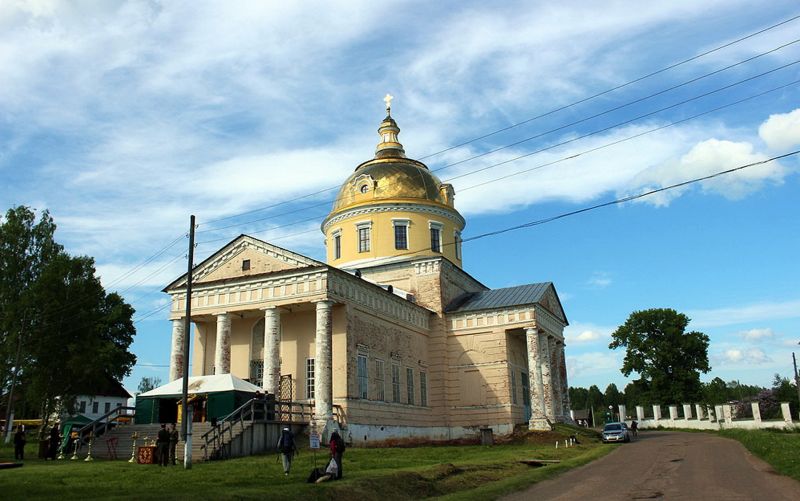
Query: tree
point(595, 397)
point(634, 395)
point(73, 333)
point(612, 397)
point(668, 359)
point(148, 383)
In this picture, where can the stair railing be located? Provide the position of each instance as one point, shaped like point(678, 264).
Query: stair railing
point(103, 423)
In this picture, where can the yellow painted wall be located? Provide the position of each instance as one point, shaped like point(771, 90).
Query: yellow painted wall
point(382, 242)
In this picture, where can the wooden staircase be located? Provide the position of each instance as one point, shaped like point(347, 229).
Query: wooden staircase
point(121, 434)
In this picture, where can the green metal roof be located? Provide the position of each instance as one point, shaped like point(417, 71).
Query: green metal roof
point(499, 298)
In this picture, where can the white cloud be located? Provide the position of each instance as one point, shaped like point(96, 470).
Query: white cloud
point(585, 333)
point(749, 356)
point(757, 334)
point(708, 157)
point(758, 312)
point(593, 363)
point(600, 279)
point(781, 131)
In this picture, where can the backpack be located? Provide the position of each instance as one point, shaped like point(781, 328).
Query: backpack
point(287, 442)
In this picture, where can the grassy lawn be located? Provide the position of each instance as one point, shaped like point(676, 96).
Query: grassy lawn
point(778, 448)
point(448, 472)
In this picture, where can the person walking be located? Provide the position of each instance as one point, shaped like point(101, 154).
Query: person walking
point(19, 443)
point(174, 437)
point(337, 451)
point(162, 446)
point(287, 448)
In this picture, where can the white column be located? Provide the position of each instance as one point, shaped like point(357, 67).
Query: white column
point(699, 411)
point(656, 412)
point(176, 354)
point(538, 420)
point(640, 413)
point(673, 412)
point(623, 412)
point(547, 380)
point(756, 412)
point(787, 413)
point(562, 366)
point(555, 376)
point(222, 350)
point(323, 366)
point(272, 350)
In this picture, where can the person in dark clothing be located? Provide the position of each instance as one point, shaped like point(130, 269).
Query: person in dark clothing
point(287, 448)
point(162, 446)
point(19, 443)
point(337, 450)
point(55, 439)
point(174, 437)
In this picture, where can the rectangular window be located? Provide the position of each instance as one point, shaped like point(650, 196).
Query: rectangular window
point(457, 243)
point(337, 246)
point(108, 407)
point(379, 383)
point(410, 384)
point(396, 383)
point(82, 407)
point(245, 264)
point(95, 407)
point(423, 388)
point(309, 378)
point(436, 239)
point(513, 387)
point(363, 239)
point(363, 380)
point(400, 236)
point(526, 390)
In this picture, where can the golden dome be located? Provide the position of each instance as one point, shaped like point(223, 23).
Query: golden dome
point(390, 176)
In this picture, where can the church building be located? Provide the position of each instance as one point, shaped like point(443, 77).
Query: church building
point(390, 335)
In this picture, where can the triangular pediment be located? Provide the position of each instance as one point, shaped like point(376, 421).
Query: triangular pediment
point(552, 303)
point(245, 256)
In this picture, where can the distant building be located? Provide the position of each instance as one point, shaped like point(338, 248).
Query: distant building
point(102, 397)
point(391, 329)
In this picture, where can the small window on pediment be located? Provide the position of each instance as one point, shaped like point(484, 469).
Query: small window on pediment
point(245, 264)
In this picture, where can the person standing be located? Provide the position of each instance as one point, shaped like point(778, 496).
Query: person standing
point(174, 437)
point(162, 446)
point(287, 448)
point(337, 451)
point(55, 438)
point(19, 443)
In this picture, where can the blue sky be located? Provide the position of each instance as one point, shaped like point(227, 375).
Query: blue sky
point(122, 118)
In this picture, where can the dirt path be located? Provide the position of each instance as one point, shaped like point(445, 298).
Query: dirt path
point(669, 466)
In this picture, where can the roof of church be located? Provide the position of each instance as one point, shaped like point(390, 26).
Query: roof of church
point(499, 298)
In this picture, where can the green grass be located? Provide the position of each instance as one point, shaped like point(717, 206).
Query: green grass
point(778, 448)
point(450, 472)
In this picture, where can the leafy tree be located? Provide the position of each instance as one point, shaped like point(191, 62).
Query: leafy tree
point(595, 397)
point(668, 359)
point(716, 392)
point(634, 395)
point(74, 334)
point(148, 383)
point(612, 397)
point(785, 391)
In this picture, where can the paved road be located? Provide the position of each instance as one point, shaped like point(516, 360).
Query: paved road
point(669, 466)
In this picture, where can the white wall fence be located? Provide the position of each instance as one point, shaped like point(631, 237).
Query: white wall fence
point(702, 417)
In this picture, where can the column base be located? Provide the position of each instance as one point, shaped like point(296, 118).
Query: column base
point(539, 424)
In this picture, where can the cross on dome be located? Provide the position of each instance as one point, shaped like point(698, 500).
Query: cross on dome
point(388, 101)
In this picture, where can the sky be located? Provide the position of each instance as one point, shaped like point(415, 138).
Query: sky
point(122, 118)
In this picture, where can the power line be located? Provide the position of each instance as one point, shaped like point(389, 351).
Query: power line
point(583, 100)
point(612, 89)
point(550, 147)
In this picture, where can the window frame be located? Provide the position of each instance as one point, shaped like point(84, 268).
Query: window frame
point(396, 383)
point(310, 378)
point(380, 380)
point(423, 388)
point(410, 386)
point(436, 228)
point(362, 375)
point(337, 244)
point(396, 225)
point(364, 237)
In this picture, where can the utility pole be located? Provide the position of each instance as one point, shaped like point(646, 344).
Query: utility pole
point(796, 376)
point(186, 425)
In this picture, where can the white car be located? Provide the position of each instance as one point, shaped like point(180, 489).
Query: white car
point(616, 432)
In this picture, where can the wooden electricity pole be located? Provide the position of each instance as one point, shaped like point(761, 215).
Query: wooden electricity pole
point(186, 426)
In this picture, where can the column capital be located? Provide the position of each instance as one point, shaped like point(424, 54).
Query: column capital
point(324, 303)
point(531, 330)
point(220, 313)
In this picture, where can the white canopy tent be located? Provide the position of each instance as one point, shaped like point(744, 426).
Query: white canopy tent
point(202, 384)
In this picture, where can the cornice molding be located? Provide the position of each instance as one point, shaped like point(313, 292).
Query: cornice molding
point(450, 214)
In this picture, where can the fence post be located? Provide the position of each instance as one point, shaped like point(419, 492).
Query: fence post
point(699, 410)
point(687, 411)
point(727, 411)
point(787, 413)
point(656, 412)
point(640, 413)
point(673, 412)
point(756, 412)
